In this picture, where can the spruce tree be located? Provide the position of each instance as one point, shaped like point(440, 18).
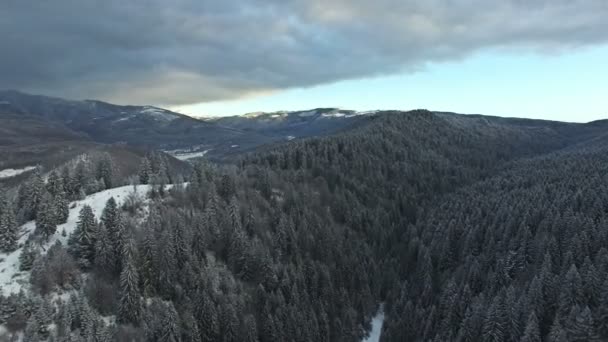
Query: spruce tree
point(580, 326)
point(249, 331)
point(82, 241)
point(557, 332)
point(46, 220)
point(105, 170)
point(9, 231)
point(54, 183)
point(493, 327)
point(62, 207)
point(129, 307)
point(209, 320)
point(602, 319)
point(27, 257)
point(112, 219)
point(532, 332)
point(105, 260)
point(145, 171)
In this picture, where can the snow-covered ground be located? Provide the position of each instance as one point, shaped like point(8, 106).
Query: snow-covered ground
point(189, 155)
point(377, 321)
point(12, 280)
point(7, 173)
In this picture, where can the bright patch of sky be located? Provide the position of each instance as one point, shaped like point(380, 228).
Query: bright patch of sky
point(569, 86)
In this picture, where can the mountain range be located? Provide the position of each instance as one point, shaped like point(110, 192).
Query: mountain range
point(45, 130)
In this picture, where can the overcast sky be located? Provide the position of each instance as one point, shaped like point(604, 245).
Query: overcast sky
point(535, 58)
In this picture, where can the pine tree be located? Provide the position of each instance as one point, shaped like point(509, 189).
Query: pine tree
point(145, 171)
point(493, 327)
point(557, 332)
point(148, 273)
point(27, 257)
point(104, 251)
point(532, 332)
point(129, 309)
point(249, 331)
point(43, 318)
point(66, 180)
point(82, 241)
point(170, 329)
point(105, 170)
point(580, 326)
point(112, 219)
point(80, 180)
point(9, 230)
point(602, 319)
point(571, 291)
point(62, 207)
point(229, 323)
point(46, 221)
point(54, 183)
point(36, 190)
point(31, 330)
point(208, 319)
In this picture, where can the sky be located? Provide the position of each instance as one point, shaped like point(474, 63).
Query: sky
point(566, 87)
point(533, 58)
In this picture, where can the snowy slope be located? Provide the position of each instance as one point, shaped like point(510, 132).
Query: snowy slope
point(12, 280)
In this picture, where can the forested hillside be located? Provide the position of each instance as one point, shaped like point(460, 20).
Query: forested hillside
point(467, 228)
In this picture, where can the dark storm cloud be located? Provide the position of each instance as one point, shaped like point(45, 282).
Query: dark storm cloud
point(184, 51)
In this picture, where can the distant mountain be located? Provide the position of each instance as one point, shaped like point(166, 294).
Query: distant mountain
point(289, 125)
point(109, 123)
point(158, 128)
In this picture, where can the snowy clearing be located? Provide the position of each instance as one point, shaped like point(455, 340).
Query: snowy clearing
point(12, 280)
point(377, 321)
point(189, 155)
point(7, 173)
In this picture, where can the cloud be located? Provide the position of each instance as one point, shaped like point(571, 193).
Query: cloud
point(186, 51)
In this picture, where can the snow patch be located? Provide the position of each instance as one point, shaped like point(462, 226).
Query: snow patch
point(290, 137)
point(190, 155)
point(7, 173)
point(233, 146)
point(377, 321)
point(347, 114)
point(123, 119)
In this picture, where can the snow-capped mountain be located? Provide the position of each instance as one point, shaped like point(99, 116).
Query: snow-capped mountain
point(295, 124)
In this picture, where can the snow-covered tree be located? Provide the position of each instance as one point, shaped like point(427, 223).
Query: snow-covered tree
point(46, 221)
point(129, 306)
point(82, 241)
point(104, 251)
point(8, 230)
point(28, 254)
point(62, 207)
point(145, 171)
